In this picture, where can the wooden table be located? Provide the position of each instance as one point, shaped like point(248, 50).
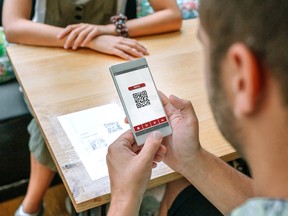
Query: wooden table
point(58, 82)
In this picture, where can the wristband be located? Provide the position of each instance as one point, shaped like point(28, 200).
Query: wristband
point(120, 23)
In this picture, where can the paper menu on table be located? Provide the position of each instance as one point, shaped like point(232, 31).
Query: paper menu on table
point(91, 131)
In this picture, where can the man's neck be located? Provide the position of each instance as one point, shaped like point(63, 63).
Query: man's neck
point(267, 153)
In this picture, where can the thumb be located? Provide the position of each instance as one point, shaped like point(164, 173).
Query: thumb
point(151, 146)
point(184, 106)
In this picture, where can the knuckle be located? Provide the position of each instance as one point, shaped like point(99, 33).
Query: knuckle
point(133, 41)
point(129, 49)
point(121, 39)
point(73, 34)
point(117, 52)
point(82, 34)
point(110, 148)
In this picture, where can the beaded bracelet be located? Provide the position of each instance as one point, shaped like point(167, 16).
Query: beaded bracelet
point(120, 23)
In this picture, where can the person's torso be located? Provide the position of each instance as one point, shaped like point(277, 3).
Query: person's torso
point(65, 12)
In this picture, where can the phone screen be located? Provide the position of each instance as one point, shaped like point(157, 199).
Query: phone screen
point(141, 100)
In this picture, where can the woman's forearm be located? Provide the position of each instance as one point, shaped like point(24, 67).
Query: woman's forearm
point(159, 22)
point(27, 32)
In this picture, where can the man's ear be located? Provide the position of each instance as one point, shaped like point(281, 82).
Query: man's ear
point(246, 79)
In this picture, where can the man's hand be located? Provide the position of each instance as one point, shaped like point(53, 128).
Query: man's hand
point(125, 48)
point(130, 168)
point(183, 145)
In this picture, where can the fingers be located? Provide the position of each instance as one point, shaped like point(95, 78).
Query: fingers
point(78, 35)
point(125, 48)
point(158, 156)
point(151, 147)
point(176, 107)
point(65, 32)
point(135, 148)
point(163, 97)
point(73, 36)
point(121, 54)
point(184, 106)
point(126, 139)
point(94, 33)
point(81, 37)
point(169, 108)
point(160, 152)
point(87, 34)
point(129, 48)
point(126, 52)
point(136, 45)
point(174, 104)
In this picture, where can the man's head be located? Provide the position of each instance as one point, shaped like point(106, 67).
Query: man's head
point(247, 41)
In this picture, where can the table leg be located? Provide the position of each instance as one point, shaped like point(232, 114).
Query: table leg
point(103, 210)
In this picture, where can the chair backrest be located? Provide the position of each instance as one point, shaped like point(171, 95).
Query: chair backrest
point(131, 9)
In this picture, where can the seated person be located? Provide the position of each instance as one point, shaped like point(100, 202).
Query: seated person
point(245, 54)
point(51, 18)
point(72, 25)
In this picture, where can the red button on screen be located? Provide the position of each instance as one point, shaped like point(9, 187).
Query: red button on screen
point(146, 125)
point(155, 122)
point(162, 120)
point(138, 128)
point(141, 85)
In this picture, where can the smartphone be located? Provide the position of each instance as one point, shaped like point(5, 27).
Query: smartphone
point(140, 99)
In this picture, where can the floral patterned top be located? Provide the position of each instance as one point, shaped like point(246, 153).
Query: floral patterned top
point(261, 207)
point(6, 71)
point(189, 8)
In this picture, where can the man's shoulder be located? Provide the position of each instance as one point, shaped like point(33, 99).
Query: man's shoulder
point(262, 206)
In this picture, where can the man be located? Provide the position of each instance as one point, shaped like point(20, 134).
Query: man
point(245, 45)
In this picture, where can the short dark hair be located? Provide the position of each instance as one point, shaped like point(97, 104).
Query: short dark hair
point(260, 24)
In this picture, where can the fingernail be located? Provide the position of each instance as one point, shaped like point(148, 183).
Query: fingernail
point(157, 135)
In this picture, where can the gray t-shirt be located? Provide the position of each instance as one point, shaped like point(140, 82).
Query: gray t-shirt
point(261, 207)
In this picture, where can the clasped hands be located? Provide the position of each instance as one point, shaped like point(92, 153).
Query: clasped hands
point(101, 38)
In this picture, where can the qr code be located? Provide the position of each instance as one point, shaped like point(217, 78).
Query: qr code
point(141, 99)
point(113, 127)
point(97, 143)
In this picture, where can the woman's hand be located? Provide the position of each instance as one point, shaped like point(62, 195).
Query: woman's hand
point(79, 35)
point(125, 48)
